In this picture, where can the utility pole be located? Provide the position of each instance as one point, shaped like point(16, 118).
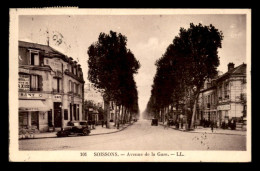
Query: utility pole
point(62, 94)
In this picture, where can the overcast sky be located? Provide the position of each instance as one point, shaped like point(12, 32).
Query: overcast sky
point(148, 37)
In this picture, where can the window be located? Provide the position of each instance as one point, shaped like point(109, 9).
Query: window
point(69, 67)
point(57, 84)
point(226, 90)
point(220, 92)
point(23, 119)
point(74, 71)
point(79, 91)
point(35, 58)
point(75, 88)
point(34, 83)
point(72, 87)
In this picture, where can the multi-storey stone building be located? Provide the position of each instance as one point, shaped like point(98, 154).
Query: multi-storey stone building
point(231, 93)
point(51, 87)
point(224, 98)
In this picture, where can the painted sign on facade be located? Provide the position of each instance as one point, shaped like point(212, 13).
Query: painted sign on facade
point(57, 97)
point(30, 95)
point(224, 107)
point(24, 70)
point(56, 65)
point(24, 83)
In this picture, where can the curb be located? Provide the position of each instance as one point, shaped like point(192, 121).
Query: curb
point(113, 131)
point(203, 132)
point(88, 135)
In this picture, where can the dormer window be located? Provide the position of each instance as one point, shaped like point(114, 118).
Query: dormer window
point(69, 67)
point(74, 70)
point(34, 57)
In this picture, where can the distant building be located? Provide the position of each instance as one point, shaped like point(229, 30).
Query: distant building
point(224, 98)
point(91, 94)
point(51, 87)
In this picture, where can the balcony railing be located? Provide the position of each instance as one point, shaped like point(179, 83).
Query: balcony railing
point(35, 89)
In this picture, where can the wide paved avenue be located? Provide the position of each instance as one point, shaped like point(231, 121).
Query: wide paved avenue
point(140, 136)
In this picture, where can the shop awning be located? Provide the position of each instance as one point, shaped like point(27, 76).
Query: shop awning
point(32, 105)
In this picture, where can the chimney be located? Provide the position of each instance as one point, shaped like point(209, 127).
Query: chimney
point(231, 66)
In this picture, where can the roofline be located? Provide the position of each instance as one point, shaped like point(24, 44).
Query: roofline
point(228, 74)
point(67, 58)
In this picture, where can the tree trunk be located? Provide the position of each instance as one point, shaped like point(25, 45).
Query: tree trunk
point(116, 111)
point(177, 112)
point(119, 114)
point(163, 114)
point(122, 114)
point(171, 111)
point(107, 111)
point(194, 111)
point(125, 115)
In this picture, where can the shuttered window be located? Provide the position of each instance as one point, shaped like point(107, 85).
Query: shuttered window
point(34, 83)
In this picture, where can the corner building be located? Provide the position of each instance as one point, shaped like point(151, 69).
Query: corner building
point(51, 88)
point(224, 98)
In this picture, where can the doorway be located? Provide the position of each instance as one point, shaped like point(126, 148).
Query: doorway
point(57, 114)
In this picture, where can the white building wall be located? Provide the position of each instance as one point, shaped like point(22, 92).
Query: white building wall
point(235, 110)
point(236, 90)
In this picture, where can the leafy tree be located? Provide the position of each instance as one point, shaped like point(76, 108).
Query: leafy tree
point(183, 68)
point(111, 66)
point(198, 46)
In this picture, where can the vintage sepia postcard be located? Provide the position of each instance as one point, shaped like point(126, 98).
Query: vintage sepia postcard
point(130, 85)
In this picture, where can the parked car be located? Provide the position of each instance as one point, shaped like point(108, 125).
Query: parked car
point(75, 128)
point(154, 122)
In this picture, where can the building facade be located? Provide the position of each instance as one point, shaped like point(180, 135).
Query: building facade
point(224, 98)
point(51, 88)
point(95, 98)
point(231, 93)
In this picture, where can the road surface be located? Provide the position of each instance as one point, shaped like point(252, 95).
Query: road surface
point(140, 136)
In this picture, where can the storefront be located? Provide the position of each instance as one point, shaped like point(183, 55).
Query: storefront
point(223, 113)
point(33, 115)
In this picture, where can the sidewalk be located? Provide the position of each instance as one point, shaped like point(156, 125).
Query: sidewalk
point(201, 129)
point(99, 130)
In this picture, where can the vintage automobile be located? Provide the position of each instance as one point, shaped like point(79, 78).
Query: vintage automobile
point(75, 128)
point(154, 122)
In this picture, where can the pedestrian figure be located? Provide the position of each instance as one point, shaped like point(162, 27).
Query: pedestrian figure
point(90, 123)
point(93, 124)
point(166, 124)
point(102, 123)
point(212, 126)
